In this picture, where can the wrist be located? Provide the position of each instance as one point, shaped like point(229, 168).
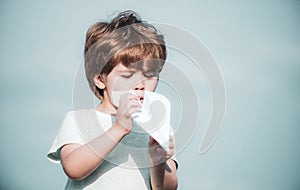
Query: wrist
point(121, 128)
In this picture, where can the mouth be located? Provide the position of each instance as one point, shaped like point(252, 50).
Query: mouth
point(141, 98)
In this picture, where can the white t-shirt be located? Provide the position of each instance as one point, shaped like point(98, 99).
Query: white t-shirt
point(127, 165)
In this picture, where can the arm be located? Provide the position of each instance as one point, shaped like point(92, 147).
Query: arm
point(163, 176)
point(79, 161)
point(163, 169)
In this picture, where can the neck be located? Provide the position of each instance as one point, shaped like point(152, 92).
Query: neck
point(106, 106)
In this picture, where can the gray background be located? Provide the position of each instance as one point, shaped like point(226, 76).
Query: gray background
point(256, 45)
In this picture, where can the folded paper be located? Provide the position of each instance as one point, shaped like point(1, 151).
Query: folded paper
point(154, 117)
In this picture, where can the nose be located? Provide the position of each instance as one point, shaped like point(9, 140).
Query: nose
point(140, 83)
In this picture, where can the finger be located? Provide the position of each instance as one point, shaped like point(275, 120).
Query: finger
point(152, 141)
point(133, 97)
point(134, 107)
point(171, 141)
point(171, 137)
point(134, 103)
point(134, 110)
point(169, 154)
point(129, 96)
point(125, 98)
point(171, 145)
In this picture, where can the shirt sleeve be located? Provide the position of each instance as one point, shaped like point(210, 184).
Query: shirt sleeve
point(68, 133)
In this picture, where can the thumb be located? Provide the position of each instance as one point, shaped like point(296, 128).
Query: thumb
point(152, 141)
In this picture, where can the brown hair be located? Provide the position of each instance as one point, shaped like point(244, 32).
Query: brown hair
point(126, 40)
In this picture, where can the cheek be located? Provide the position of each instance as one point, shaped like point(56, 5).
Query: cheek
point(150, 85)
point(119, 83)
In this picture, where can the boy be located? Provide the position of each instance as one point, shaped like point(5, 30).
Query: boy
point(104, 148)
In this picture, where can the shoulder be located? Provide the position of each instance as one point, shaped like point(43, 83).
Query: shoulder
point(85, 114)
point(80, 112)
point(89, 122)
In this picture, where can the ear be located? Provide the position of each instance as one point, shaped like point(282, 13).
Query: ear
point(99, 82)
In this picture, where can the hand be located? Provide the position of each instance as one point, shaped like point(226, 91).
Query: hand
point(128, 105)
point(157, 154)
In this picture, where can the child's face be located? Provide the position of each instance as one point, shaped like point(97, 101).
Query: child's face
point(125, 78)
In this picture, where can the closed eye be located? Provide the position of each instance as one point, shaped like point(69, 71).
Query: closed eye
point(150, 74)
point(127, 76)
